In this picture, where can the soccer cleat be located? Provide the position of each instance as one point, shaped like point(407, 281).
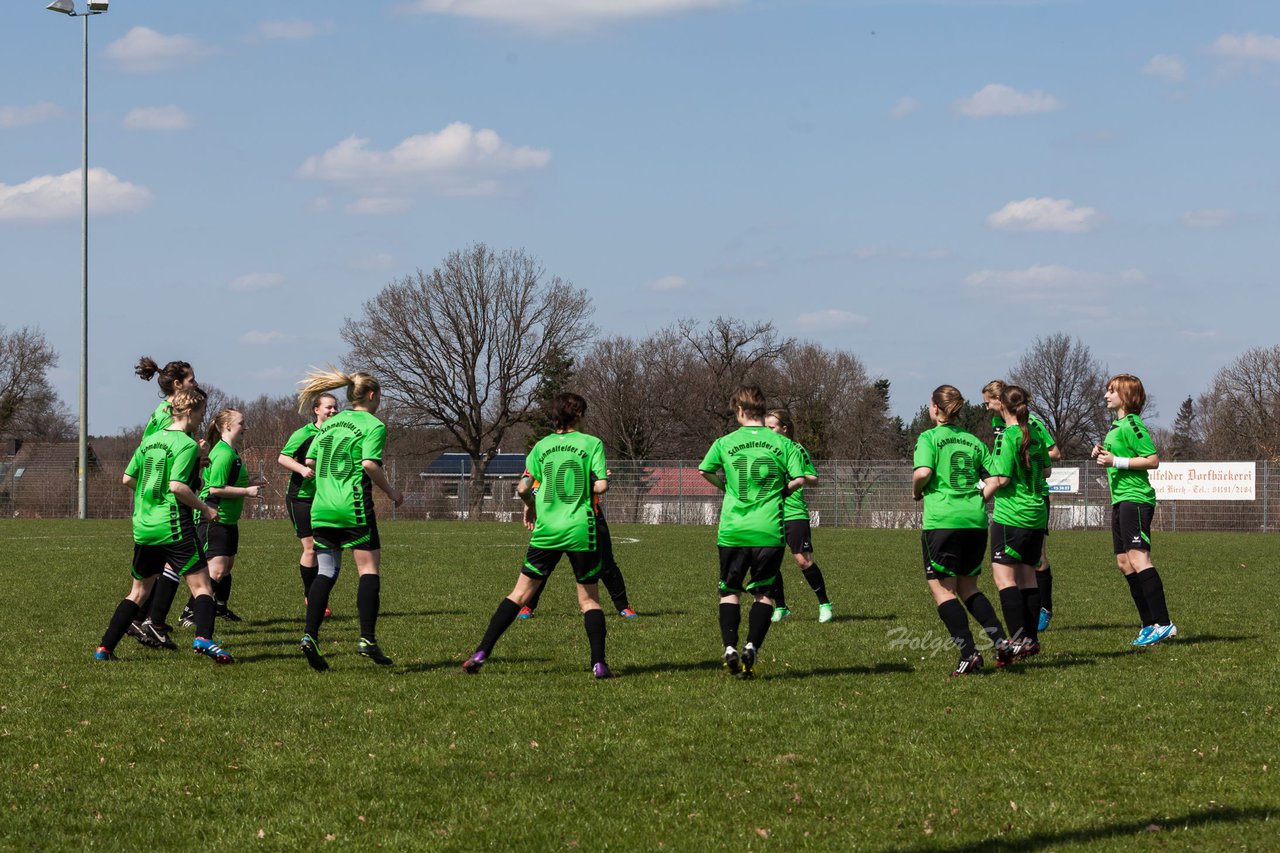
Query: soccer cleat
point(1026, 649)
point(158, 635)
point(369, 649)
point(780, 613)
point(967, 666)
point(526, 612)
point(227, 613)
point(732, 663)
point(202, 646)
point(188, 618)
point(311, 649)
point(748, 661)
point(601, 670)
point(104, 653)
point(1004, 653)
point(140, 634)
point(472, 664)
point(825, 613)
point(628, 613)
point(1045, 616)
point(1140, 640)
point(1157, 633)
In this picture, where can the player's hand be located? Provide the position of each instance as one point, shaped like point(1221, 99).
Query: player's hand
point(530, 517)
point(1105, 458)
point(1097, 448)
point(257, 480)
point(253, 491)
point(397, 497)
point(308, 473)
point(208, 513)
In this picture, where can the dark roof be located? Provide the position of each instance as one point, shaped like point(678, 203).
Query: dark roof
point(459, 465)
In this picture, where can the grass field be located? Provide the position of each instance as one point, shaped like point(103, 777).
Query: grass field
point(850, 738)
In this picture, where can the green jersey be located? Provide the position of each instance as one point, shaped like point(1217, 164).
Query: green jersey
point(297, 448)
point(565, 464)
point(1020, 502)
point(795, 507)
point(1039, 434)
point(343, 490)
point(757, 463)
point(160, 419)
point(951, 497)
point(164, 457)
point(1129, 437)
point(225, 469)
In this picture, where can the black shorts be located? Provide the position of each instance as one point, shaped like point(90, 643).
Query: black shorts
point(1131, 526)
point(362, 538)
point(798, 536)
point(541, 562)
point(762, 565)
point(300, 515)
point(185, 555)
point(953, 553)
point(218, 539)
point(1013, 545)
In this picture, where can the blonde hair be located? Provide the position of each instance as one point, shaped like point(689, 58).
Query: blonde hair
point(949, 401)
point(1132, 395)
point(993, 388)
point(360, 387)
point(187, 401)
point(220, 422)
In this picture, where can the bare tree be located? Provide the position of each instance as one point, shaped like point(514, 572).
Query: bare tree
point(1066, 384)
point(29, 407)
point(1240, 414)
point(839, 412)
point(463, 347)
point(618, 380)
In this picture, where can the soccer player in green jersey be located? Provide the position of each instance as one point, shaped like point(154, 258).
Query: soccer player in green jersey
point(346, 456)
point(1017, 483)
point(946, 478)
point(570, 467)
point(164, 531)
point(799, 534)
point(756, 468)
point(302, 485)
point(170, 378)
point(226, 484)
point(1128, 453)
point(1039, 432)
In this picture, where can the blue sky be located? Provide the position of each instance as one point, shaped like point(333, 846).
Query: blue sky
point(929, 185)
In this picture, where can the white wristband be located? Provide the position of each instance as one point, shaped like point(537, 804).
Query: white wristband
point(1120, 461)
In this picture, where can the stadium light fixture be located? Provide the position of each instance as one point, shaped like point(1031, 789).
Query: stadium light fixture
point(96, 7)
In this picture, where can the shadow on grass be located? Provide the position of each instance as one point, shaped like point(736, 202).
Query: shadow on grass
point(1133, 830)
point(663, 666)
point(394, 614)
point(878, 669)
point(1098, 626)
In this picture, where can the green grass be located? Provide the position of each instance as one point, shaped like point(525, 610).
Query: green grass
point(844, 741)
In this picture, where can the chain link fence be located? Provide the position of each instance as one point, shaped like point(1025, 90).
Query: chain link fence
point(864, 494)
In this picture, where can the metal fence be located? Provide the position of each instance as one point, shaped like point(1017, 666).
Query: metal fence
point(864, 494)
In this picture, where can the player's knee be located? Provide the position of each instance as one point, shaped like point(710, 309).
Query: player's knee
point(328, 563)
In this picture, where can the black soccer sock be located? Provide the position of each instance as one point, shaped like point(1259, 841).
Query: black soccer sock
point(1139, 598)
point(1044, 580)
point(980, 606)
point(222, 591)
point(317, 601)
point(817, 583)
point(1031, 612)
point(730, 617)
point(779, 592)
point(533, 600)
point(611, 577)
point(190, 606)
point(162, 595)
point(308, 577)
point(501, 620)
point(952, 615)
point(1015, 617)
point(1153, 592)
point(758, 619)
point(593, 621)
point(126, 612)
point(204, 616)
point(368, 597)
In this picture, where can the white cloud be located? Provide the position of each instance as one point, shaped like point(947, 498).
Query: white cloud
point(293, 30)
point(829, 320)
point(997, 99)
point(256, 338)
point(554, 15)
point(34, 114)
point(157, 118)
point(1208, 218)
point(53, 197)
point(379, 206)
point(669, 282)
point(458, 160)
point(1250, 47)
point(1044, 214)
point(1166, 67)
point(255, 281)
point(904, 107)
point(142, 49)
point(1044, 281)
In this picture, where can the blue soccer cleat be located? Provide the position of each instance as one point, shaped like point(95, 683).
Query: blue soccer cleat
point(1045, 616)
point(203, 646)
